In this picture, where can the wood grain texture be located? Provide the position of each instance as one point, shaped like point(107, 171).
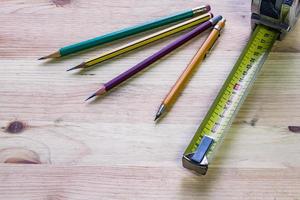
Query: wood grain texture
point(78, 182)
point(63, 148)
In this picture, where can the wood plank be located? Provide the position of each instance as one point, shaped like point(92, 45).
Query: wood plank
point(47, 182)
point(111, 148)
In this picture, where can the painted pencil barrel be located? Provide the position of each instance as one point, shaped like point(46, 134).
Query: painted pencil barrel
point(149, 39)
point(131, 30)
point(169, 48)
point(199, 56)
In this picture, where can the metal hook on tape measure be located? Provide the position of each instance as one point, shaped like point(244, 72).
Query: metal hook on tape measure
point(197, 161)
point(279, 14)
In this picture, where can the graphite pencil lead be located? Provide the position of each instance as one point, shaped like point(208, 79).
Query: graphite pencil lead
point(82, 65)
point(42, 58)
point(52, 55)
point(160, 111)
point(156, 117)
point(93, 95)
point(100, 91)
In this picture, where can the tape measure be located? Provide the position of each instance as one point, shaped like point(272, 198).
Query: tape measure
point(217, 121)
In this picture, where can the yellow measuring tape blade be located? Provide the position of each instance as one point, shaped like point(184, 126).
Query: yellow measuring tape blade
point(211, 132)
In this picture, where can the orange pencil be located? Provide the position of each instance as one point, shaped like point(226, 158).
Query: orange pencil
point(182, 80)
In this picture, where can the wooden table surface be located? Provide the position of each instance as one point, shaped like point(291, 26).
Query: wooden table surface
point(53, 145)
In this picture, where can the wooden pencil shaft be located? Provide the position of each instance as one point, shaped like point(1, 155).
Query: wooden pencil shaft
point(148, 39)
point(199, 57)
point(169, 48)
point(132, 30)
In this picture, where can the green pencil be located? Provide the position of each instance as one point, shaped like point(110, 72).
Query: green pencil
point(127, 32)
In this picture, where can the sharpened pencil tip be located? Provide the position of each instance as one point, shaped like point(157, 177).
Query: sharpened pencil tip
point(82, 65)
point(160, 111)
point(99, 92)
point(93, 95)
point(42, 58)
point(52, 55)
point(156, 117)
point(70, 69)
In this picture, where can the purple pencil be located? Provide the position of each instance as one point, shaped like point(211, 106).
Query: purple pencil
point(151, 59)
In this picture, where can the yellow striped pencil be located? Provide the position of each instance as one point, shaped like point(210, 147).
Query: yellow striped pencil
point(144, 41)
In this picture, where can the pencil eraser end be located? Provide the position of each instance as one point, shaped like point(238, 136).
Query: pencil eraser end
point(216, 19)
point(208, 8)
point(201, 10)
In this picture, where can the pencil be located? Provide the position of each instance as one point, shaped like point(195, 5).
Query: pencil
point(73, 48)
point(184, 77)
point(144, 41)
point(151, 59)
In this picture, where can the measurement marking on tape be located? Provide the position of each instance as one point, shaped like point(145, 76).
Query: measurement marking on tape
point(229, 99)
